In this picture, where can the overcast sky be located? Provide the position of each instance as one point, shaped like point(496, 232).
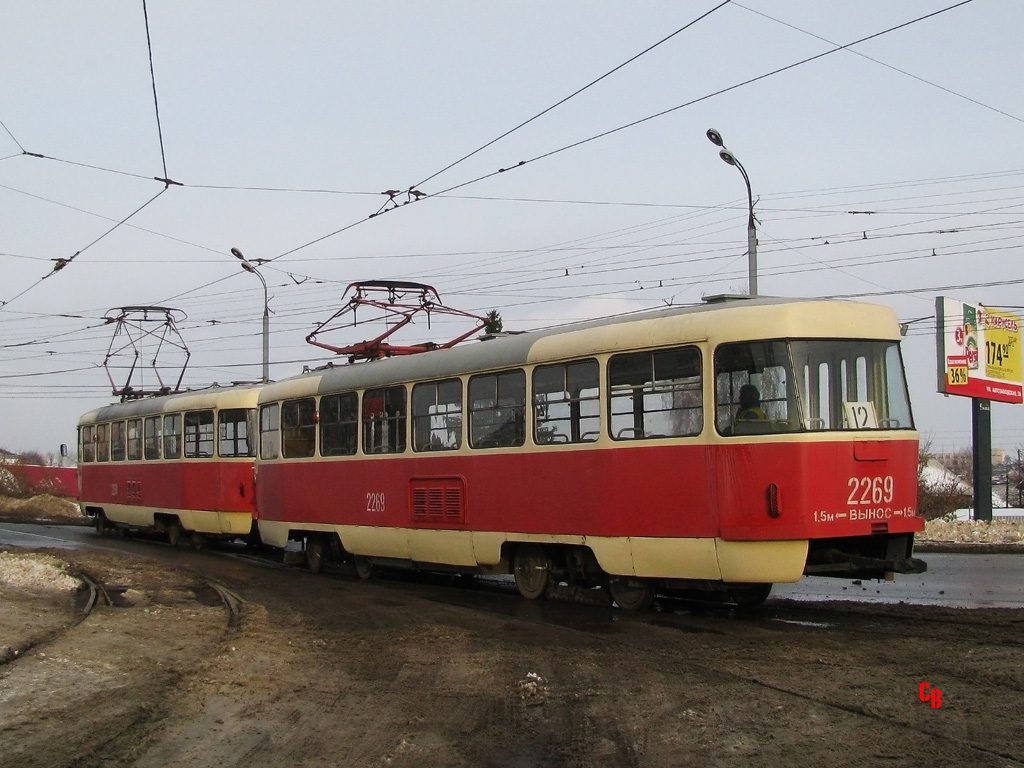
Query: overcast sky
point(891, 170)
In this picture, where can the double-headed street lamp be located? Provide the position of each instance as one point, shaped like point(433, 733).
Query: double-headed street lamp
point(249, 266)
point(716, 138)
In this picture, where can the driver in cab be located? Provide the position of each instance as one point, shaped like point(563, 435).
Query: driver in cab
point(750, 405)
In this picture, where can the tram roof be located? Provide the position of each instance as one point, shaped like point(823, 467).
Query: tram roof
point(762, 317)
point(234, 396)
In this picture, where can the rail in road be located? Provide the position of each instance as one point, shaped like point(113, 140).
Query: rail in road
point(952, 580)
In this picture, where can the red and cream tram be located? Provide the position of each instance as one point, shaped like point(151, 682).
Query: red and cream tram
point(615, 452)
point(180, 463)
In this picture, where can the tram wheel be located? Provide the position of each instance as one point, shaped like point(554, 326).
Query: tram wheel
point(631, 595)
point(364, 568)
point(102, 524)
point(174, 533)
point(314, 553)
point(531, 567)
point(749, 596)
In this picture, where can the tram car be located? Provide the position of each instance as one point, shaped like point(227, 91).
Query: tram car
point(181, 464)
point(719, 448)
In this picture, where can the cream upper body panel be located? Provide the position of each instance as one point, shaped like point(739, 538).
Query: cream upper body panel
point(244, 396)
point(761, 318)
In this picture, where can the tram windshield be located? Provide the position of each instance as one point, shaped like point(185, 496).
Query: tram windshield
point(766, 387)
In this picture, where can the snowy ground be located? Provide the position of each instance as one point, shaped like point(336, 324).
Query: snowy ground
point(35, 572)
point(962, 531)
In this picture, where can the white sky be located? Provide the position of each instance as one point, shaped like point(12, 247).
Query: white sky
point(921, 126)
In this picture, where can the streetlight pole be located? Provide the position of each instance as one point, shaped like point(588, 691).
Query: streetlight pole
point(249, 266)
point(716, 138)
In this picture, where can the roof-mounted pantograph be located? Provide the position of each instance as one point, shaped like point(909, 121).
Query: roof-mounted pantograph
point(135, 327)
point(400, 302)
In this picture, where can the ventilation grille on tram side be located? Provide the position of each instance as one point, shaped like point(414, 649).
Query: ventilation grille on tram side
point(438, 500)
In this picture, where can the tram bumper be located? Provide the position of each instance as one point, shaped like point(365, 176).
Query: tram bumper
point(871, 558)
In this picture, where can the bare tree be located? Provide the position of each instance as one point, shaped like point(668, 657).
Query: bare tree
point(936, 499)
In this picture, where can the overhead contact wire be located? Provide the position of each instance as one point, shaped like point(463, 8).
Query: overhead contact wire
point(575, 93)
point(698, 100)
point(950, 91)
point(63, 262)
point(632, 124)
point(156, 103)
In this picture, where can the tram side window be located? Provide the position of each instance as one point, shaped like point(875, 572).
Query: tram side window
point(755, 391)
point(384, 420)
point(151, 437)
point(199, 435)
point(117, 447)
point(497, 410)
point(134, 439)
point(656, 394)
point(339, 424)
point(270, 439)
point(235, 429)
point(88, 449)
point(298, 428)
point(102, 442)
point(437, 416)
point(172, 436)
point(566, 403)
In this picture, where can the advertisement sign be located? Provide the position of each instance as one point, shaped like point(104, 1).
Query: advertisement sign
point(978, 351)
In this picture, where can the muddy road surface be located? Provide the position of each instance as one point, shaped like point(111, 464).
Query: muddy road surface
point(205, 659)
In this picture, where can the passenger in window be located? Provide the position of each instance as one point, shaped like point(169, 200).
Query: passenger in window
point(750, 404)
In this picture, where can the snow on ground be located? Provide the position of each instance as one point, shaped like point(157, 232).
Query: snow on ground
point(36, 572)
point(43, 507)
point(1005, 529)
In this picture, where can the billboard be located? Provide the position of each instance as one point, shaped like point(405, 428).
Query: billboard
point(978, 351)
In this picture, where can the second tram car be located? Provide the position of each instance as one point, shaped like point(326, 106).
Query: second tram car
point(181, 464)
point(721, 447)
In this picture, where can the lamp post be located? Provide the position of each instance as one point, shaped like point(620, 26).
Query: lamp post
point(249, 266)
point(716, 138)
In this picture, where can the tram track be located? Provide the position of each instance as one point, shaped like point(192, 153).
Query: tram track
point(95, 593)
point(411, 643)
point(835, 623)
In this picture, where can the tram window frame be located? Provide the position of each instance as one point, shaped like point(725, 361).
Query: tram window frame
point(838, 377)
point(234, 428)
point(172, 434)
point(497, 409)
point(270, 433)
point(298, 428)
point(199, 435)
point(384, 407)
point(103, 442)
point(437, 415)
point(117, 441)
point(339, 424)
point(765, 364)
point(88, 443)
point(563, 393)
point(151, 438)
point(134, 439)
point(653, 374)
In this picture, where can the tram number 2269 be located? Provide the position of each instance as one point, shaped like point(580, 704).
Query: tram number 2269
point(870, 490)
point(374, 502)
